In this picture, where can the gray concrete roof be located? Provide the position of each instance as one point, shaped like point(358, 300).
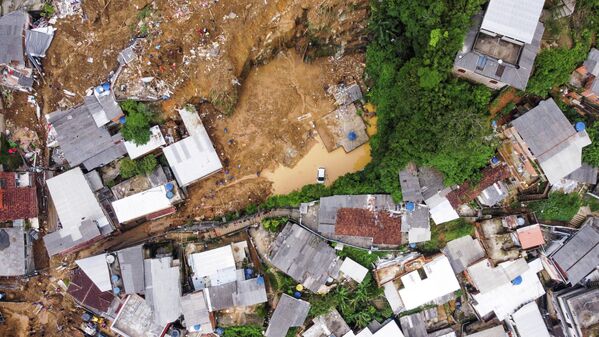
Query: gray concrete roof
point(489, 67)
point(55, 243)
point(413, 325)
point(195, 311)
point(131, 261)
point(37, 42)
point(163, 289)
point(81, 140)
point(295, 251)
point(493, 194)
point(579, 256)
point(329, 324)
point(135, 319)
point(221, 296)
point(12, 27)
point(410, 186)
point(17, 257)
point(431, 181)
point(241, 293)
point(586, 174)
point(290, 312)
point(496, 331)
point(592, 62)
point(463, 252)
point(580, 306)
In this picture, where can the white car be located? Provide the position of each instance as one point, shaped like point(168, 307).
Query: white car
point(321, 175)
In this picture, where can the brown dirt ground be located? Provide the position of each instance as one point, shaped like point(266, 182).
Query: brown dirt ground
point(260, 66)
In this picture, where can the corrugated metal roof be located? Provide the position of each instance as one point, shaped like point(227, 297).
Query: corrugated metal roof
point(463, 252)
point(354, 270)
point(38, 40)
point(134, 319)
point(410, 186)
point(12, 28)
point(580, 255)
point(14, 257)
point(294, 252)
point(497, 331)
point(414, 325)
point(290, 312)
point(97, 270)
point(592, 62)
point(513, 18)
point(163, 289)
point(529, 322)
point(131, 261)
point(195, 312)
point(194, 157)
point(141, 204)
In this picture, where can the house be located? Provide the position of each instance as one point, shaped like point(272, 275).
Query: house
point(369, 218)
point(87, 294)
point(150, 204)
point(388, 329)
point(353, 270)
point(135, 319)
point(18, 196)
point(416, 221)
point(425, 184)
point(591, 67)
point(496, 331)
point(415, 326)
point(463, 252)
point(20, 50)
point(79, 212)
point(196, 314)
point(551, 140)
point(435, 282)
point(505, 288)
point(83, 132)
point(294, 252)
point(528, 322)
point(579, 256)
point(577, 310)
point(329, 324)
point(121, 271)
point(530, 236)
point(585, 174)
point(225, 283)
point(289, 313)
point(501, 47)
point(16, 250)
point(489, 191)
point(156, 141)
point(163, 289)
point(192, 158)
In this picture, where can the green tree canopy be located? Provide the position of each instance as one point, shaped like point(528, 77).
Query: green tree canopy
point(137, 124)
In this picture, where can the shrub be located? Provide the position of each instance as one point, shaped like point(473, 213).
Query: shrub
point(557, 207)
point(130, 168)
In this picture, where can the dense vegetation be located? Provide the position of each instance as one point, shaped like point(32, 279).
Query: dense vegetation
point(590, 153)
point(144, 166)
point(243, 331)
point(274, 224)
point(137, 124)
point(558, 207)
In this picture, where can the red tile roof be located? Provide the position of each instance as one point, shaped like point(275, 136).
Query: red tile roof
point(466, 193)
point(530, 236)
point(87, 293)
point(16, 202)
point(380, 226)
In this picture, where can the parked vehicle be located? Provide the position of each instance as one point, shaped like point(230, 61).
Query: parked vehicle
point(321, 175)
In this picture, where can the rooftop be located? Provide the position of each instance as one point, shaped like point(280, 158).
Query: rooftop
point(144, 203)
point(330, 324)
point(410, 185)
point(81, 140)
point(382, 226)
point(592, 62)
point(135, 319)
point(463, 252)
point(496, 331)
point(96, 269)
point(131, 262)
point(289, 313)
point(439, 281)
point(15, 252)
point(196, 313)
point(513, 18)
point(87, 293)
point(12, 26)
point(486, 278)
point(163, 289)
point(529, 322)
point(294, 252)
point(353, 270)
point(552, 139)
point(240, 293)
point(585, 174)
point(578, 309)
point(389, 329)
point(497, 47)
point(155, 142)
point(194, 157)
point(18, 196)
point(530, 236)
point(579, 256)
point(213, 267)
point(78, 210)
point(490, 176)
point(329, 207)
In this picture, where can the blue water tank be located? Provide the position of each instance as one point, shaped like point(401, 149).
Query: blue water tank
point(297, 294)
point(169, 186)
point(170, 195)
point(352, 136)
point(175, 333)
point(494, 160)
point(412, 245)
point(99, 89)
point(517, 280)
point(106, 86)
point(197, 327)
point(115, 278)
point(410, 206)
point(116, 290)
point(580, 126)
point(260, 280)
point(248, 273)
point(122, 120)
point(219, 331)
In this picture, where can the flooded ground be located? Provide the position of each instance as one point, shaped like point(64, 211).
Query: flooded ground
point(337, 163)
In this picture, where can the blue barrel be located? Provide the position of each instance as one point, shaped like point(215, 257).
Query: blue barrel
point(352, 136)
point(116, 290)
point(169, 186)
point(170, 195)
point(517, 280)
point(494, 160)
point(297, 295)
point(99, 89)
point(219, 331)
point(122, 120)
point(115, 278)
point(580, 126)
point(248, 273)
point(197, 327)
point(106, 86)
point(410, 206)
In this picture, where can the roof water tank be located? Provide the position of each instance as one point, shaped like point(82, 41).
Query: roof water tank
point(197, 327)
point(169, 186)
point(4, 239)
point(115, 278)
point(410, 206)
point(517, 280)
point(116, 290)
point(106, 86)
point(170, 195)
point(175, 333)
point(110, 259)
point(580, 126)
point(352, 136)
point(494, 160)
point(297, 294)
point(123, 119)
point(219, 331)
point(260, 280)
point(520, 221)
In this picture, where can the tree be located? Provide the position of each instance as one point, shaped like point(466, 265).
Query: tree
point(590, 153)
point(137, 122)
point(144, 166)
point(128, 168)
